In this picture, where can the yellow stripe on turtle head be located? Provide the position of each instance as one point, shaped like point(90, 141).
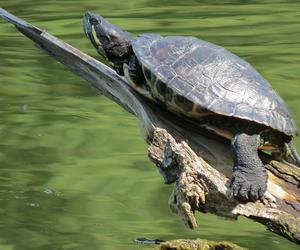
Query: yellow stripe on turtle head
point(95, 36)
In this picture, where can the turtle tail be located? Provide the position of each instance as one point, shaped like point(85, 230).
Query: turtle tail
point(291, 155)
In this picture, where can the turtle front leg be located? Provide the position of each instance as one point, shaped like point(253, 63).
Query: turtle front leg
point(249, 178)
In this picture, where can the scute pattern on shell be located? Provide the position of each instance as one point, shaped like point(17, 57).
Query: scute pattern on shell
point(215, 78)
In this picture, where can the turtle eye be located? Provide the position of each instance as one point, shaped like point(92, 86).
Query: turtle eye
point(94, 21)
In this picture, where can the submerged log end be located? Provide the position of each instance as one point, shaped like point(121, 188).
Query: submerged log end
point(198, 244)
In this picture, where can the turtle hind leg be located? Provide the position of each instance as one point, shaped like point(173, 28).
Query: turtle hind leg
point(249, 178)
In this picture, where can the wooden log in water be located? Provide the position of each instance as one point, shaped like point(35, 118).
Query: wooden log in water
point(198, 244)
point(198, 162)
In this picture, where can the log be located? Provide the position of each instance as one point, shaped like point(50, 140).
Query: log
point(198, 162)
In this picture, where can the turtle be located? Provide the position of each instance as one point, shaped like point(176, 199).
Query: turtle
point(207, 83)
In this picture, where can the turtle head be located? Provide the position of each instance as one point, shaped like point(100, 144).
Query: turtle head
point(109, 40)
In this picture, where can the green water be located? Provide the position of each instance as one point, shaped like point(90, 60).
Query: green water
point(74, 172)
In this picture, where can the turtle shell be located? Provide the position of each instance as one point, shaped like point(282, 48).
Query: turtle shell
point(213, 78)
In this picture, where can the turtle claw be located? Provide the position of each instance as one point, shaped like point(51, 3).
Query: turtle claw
point(247, 186)
point(269, 200)
point(254, 194)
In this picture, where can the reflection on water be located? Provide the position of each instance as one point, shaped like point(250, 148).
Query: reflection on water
point(74, 168)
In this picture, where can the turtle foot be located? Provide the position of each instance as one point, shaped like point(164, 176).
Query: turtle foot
point(249, 185)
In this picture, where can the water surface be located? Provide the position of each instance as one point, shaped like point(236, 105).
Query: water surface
point(73, 165)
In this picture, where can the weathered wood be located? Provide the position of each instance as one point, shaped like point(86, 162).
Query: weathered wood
point(200, 163)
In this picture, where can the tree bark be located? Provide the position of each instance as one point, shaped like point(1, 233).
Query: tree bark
point(199, 163)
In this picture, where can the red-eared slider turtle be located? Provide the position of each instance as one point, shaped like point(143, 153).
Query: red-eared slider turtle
point(209, 84)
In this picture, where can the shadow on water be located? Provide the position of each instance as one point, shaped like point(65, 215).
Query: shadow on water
point(73, 167)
